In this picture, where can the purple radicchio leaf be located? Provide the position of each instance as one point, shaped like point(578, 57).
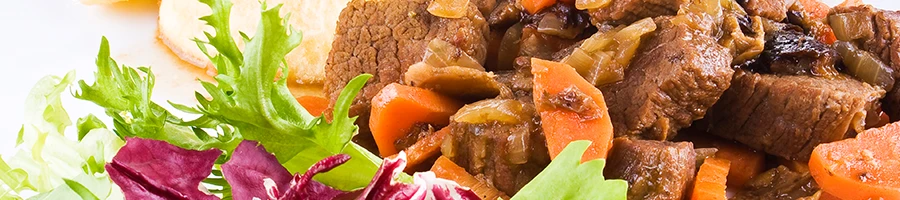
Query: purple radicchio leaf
point(152, 169)
point(252, 170)
point(304, 187)
point(425, 185)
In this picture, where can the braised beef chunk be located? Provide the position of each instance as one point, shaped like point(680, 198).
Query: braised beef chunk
point(676, 78)
point(505, 14)
point(385, 37)
point(505, 150)
point(788, 116)
point(486, 6)
point(518, 83)
point(790, 52)
point(771, 9)
point(653, 169)
point(878, 33)
point(779, 183)
point(621, 12)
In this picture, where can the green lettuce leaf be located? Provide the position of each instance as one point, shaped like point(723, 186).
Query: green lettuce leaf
point(124, 92)
point(565, 178)
point(48, 162)
point(251, 96)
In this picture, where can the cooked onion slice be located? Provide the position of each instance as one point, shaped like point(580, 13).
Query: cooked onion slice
point(602, 58)
point(590, 4)
point(448, 8)
point(865, 66)
point(492, 110)
point(441, 54)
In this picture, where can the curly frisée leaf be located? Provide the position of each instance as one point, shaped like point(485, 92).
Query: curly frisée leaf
point(567, 178)
point(124, 92)
point(251, 97)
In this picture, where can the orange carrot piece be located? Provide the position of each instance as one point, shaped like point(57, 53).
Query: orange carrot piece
point(864, 167)
point(313, 104)
point(561, 125)
point(850, 3)
point(815, 9)
point(710, 181)
point(426, 148)
point(535, 6)
point(745, 162)
point(397, 108)
point(445, 168)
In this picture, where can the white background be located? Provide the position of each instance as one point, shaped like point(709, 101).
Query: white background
point(52, 37)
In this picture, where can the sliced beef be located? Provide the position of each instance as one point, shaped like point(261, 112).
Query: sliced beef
point(623, 12)
point(788, 116)
point(653, 169)
point(676, 78)
point(771, 9)
point(385, 37)
point(779, 183)
point(499, 140)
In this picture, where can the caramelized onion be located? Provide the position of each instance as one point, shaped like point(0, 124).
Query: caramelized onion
point(851, 26)
point(865, 66)
point(553, 25)
point(491, 110)
point(591, 4)
point(509, 47)
point(602, 58)
point(448, 8)
point(441, 54)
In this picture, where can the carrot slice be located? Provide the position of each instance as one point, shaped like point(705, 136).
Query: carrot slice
point(426, 148)
point(711, 179)
point(396, 108)
point(535, 6)
point(562, 125)
point(445, 168)
point(745, 162)
point(815, 9)
point(864, 167)
point(314, 105)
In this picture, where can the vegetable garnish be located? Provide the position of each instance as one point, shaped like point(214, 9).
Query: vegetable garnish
point(247, 98)
point(568, 178)
point(50, 163)
point(153, 169)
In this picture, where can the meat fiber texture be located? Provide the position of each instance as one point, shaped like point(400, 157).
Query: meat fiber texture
point(653, 169)
point(505, 155)
point(771, 9)
point(679, 75)
point(624, 12)
point(788, 116)
point(385, 37)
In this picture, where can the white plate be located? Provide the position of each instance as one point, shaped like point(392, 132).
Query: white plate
point(43, 37)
